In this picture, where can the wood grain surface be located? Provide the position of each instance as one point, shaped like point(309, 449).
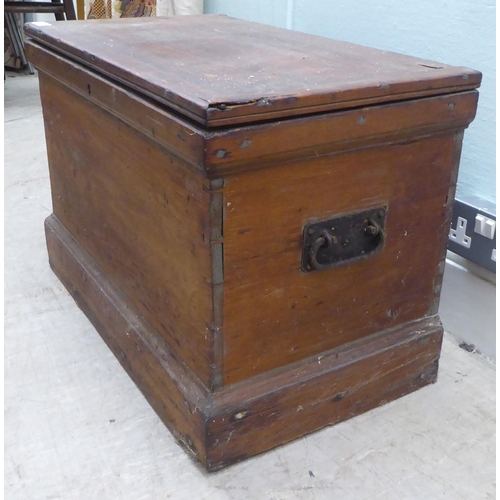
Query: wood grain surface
point(235, 423)
point(179, 215)
point(169, 131)
point(219, 71)
point(267, 411)
point(171, 389)
point(256, 146)
point(232, 150)
point(140, 213)
point(274, 313)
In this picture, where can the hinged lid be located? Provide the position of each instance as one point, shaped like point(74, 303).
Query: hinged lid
point(222, 71)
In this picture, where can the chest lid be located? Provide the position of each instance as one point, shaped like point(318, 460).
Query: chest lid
point(221, 71)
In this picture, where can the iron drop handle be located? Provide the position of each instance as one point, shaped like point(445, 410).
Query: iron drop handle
point(343, 239)
point(326, 239)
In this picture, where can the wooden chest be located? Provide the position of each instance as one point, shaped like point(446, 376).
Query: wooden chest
point(255, 220)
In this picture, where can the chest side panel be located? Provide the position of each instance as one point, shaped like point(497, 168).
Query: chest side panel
point(140, 213)
point(276, 314)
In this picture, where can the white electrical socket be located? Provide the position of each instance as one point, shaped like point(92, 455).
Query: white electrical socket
point(458, 235)
point(485, 226)
point(494, 254)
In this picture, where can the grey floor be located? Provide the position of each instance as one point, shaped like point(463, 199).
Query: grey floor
point(76, 427)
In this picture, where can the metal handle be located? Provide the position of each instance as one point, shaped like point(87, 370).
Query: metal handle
point(372, 228)
point(343, 239)
point(326, 238)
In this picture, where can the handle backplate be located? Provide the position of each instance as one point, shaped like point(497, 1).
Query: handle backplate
point(343, 239)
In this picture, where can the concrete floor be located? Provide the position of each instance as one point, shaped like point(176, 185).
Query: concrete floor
point(76, 427)
point(467, 307)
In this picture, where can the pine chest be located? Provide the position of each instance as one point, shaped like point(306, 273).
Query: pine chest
point(255, 220)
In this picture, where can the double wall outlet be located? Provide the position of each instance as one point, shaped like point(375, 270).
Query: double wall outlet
point(472, 233)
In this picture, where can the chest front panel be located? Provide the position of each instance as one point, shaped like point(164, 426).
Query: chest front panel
point(274, 312)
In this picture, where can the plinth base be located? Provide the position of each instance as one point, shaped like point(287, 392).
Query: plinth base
point(238, 421)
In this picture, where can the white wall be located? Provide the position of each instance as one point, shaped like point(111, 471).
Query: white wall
point(260, 11)
point(460, 32)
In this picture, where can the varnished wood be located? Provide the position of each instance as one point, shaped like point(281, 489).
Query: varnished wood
point(171, 132)
point(142, 215)
point(252, 147)
point(235, 423)
point(323, 390)
point(178, 223)
point(176, 395)
point(229, 151)
point(275, 314)
point(223, 71)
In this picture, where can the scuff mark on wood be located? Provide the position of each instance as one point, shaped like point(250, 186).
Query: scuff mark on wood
point(430, 66)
